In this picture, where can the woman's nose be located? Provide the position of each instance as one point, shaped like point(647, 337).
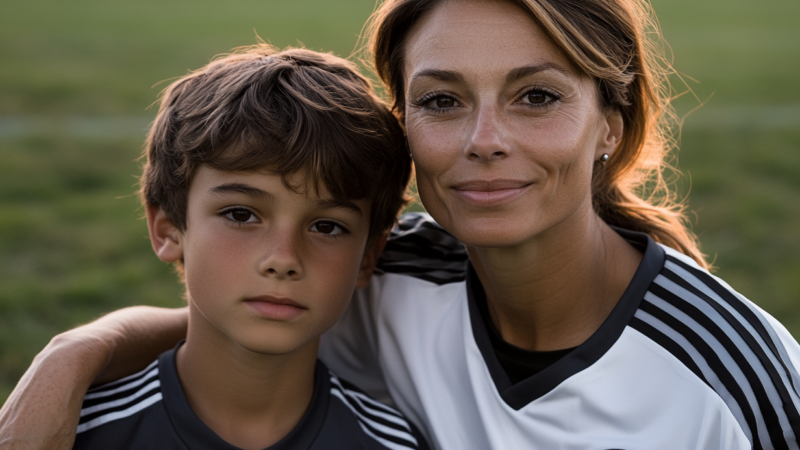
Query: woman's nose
point(487, 140)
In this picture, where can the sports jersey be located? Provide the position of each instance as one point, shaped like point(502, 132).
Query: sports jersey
point(149, 410)
point(681, 362)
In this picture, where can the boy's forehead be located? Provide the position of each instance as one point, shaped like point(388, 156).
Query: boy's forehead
point(265, 182)
point(300, 182)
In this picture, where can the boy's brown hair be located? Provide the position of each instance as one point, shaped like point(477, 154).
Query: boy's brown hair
point(293, 111)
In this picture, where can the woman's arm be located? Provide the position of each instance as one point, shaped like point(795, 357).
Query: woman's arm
point(44, 408)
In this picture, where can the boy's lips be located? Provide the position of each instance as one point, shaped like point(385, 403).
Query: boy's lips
point(276, 308)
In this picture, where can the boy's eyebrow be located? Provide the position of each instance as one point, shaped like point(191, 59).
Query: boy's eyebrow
point(333, 203)
point(250, 191)
point(239, 188)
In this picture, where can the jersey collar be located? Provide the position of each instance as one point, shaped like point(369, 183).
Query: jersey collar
point(520, 394)
point(195, 434)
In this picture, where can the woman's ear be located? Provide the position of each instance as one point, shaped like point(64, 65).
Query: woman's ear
point(164, 235)
point(610, 134)
point(370, 260)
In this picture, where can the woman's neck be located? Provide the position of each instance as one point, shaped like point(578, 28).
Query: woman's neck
point(555, 290)
point(250, 400)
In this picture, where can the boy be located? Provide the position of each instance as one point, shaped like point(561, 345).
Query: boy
point(270, 181)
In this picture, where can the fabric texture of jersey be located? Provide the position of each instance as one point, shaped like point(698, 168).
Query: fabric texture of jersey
point(682, 362)
point(149, 410)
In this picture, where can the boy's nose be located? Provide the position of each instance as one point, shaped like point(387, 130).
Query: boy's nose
point(282, 259)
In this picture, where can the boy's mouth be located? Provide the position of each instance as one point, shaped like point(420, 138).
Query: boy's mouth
point(275, 308)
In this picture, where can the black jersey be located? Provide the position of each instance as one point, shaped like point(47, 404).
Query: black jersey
point(149, 410)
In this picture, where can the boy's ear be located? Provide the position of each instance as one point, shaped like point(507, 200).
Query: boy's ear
point(370, 259)
point(164, 235)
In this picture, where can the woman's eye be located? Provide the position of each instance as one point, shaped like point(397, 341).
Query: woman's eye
point(240, 215)
point(439, 102)
point(538, 97)
point(444, 102)
point(327, 227)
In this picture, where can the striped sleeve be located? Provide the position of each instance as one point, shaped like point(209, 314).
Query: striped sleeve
point(420, 248)
point(120, 399)
point(729, 344)
point(378, 420)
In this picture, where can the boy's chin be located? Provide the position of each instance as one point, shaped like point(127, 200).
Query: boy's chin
point(272, 345)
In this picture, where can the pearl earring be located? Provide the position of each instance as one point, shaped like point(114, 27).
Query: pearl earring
point(604, 158)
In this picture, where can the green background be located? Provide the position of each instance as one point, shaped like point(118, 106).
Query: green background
point(77, 78)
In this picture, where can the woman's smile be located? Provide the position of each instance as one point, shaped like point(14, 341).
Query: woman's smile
point(489, 193)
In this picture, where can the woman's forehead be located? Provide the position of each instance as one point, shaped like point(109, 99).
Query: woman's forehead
point(479, 36)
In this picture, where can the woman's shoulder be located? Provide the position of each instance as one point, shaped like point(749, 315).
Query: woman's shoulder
point(420, 248)
point(732, 345)
point(709, 306)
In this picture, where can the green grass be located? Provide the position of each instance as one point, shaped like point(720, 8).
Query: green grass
point(73, 246)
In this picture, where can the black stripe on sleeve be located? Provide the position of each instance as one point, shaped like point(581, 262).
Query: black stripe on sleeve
point(740, 307)
point(420, 248)
point(765, 405)
point(713, 361)
point(669, 345)
point(775, 378)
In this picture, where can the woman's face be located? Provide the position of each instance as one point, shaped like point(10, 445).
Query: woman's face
point(503, 128)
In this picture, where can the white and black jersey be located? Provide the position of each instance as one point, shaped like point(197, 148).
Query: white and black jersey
point(682, 361)
point(149, 410)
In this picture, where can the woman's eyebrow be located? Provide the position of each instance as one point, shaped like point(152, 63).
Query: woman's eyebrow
point(239, 188)
point(441, 75)
point(524, 71)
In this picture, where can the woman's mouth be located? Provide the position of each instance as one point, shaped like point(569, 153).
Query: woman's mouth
point(490, 192)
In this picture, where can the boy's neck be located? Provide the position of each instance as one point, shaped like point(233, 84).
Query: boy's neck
point(250, 400)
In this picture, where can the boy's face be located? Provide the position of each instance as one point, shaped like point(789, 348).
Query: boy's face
point(266, 267)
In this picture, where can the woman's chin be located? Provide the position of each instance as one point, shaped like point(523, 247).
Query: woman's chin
point(490, 233)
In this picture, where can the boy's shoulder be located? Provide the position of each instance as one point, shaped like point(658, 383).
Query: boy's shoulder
point(119, 411)
point(149, 410)
point(367, 420)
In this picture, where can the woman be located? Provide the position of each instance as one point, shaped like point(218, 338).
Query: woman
point(576, 315)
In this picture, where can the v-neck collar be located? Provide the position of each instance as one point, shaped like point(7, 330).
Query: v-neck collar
point(522, 393)
point(195, 434)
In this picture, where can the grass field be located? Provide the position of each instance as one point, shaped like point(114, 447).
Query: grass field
point(76, 79)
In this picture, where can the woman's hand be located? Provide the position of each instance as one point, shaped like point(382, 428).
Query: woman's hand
point(43, 410)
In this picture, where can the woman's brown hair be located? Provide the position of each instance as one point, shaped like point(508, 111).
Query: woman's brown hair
point(610, 41)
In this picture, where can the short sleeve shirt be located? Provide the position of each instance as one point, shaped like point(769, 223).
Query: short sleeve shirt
point(149, 410)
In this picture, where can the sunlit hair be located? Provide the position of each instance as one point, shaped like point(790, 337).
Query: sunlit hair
point(294, 111)
point(611, 41)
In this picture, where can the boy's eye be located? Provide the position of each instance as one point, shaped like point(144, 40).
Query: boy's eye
point(240, 215)
point(328, 227)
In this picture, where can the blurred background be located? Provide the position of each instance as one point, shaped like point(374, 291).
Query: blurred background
point(77, 80)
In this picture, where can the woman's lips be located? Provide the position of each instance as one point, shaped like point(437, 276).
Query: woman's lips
point(490, 193)
point(274, 308)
